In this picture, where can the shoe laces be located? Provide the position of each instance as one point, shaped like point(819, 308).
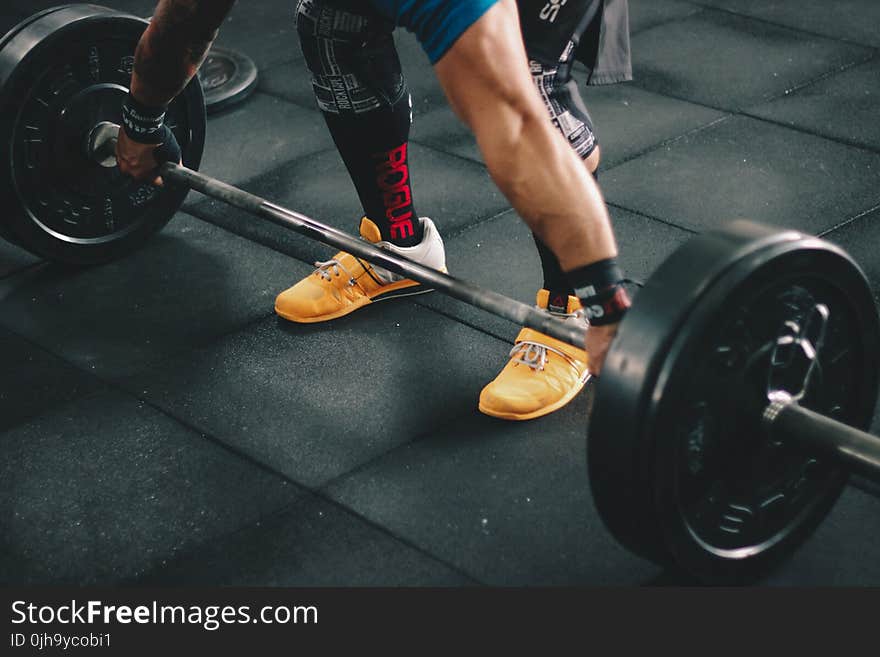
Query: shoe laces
point(534, 354)
point(330, 268)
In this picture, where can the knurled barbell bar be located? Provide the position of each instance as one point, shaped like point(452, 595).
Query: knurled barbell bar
point(732, 401)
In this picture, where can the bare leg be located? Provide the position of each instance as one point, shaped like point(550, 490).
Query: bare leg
point(486, 78)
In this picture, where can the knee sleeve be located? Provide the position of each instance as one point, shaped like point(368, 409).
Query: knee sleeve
point(352, 57)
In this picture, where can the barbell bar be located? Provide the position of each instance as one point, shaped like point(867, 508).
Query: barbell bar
point(102, 144)
point(733, 401)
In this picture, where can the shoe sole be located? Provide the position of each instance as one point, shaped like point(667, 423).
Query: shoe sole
point(385, 296)
point(541, 412)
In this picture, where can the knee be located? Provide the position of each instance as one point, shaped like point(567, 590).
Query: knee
point(593, 160)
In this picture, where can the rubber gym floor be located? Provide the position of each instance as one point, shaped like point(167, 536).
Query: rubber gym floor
point(159, 425)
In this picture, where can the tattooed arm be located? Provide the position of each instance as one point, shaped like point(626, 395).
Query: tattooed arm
point(168, 55)
point(174, 46)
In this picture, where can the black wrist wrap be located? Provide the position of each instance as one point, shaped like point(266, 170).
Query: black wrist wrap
point(143, 124)
point(600, 288)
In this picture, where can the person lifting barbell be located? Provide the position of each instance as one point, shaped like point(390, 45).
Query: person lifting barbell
point(734, 397)
point(543, 168)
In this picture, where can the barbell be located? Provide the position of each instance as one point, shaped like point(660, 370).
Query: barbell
point(733, 401)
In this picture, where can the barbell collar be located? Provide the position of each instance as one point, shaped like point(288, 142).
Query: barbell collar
point(789, 421)
point(488, 300)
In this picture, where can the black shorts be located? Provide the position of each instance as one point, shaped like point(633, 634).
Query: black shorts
point(595, 32)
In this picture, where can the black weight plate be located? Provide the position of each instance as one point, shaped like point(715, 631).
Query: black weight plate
point(679, 468)
point(5, 233)
point(228, 78)
point(733, 503)
point(59, 76)
point(15, 29)
point(617, 459)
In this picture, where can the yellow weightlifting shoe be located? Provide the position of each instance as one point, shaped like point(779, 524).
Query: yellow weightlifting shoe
point(345, 283)
point(542, 375)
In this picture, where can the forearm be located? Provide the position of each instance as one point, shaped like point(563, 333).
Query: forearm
point(173, 47)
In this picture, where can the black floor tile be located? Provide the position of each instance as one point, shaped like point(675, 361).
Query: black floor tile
point(843, 550)
point(103, 489)
point(258, 136)
point(32, 381)
point(507, 502)
point(13, 258)
point(644, 14)
point(454, 192)
point(188, 285)
point(853, 20)
point(629, 120)
point(265, 31)
point(440, 129)
point(291, 82)
point(314, 543)
point(860, 239)
point(843, 106)
point(314, 401)
point(425, 89)
point(731, 62)
point(742, 167)
point(501, 255)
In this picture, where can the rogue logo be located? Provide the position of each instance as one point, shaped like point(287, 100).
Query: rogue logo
point(393, 179)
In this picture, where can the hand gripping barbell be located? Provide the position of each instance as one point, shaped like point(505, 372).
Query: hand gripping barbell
point(733, 400)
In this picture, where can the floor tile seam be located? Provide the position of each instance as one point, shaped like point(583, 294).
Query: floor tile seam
point(118, 384)
point(310, 107)
point(53, 406)
point(847, 222)
point(205, 434)
point(767, 21)
point(302, 493)
point(483, 330)
point(698, 9)
point(18, 271)
point(194, 549)
point(381, 456)
point(463, 229)
point(669, 140)
point(865, 485)
point(199, 345)
point(305, 496)
point(398, 537)
point(660, 220)
point(110, 385)
point(430, 145)
point(842, 68)
point(457, 156)
point(849, 143)
point(649, 149)
point(259, 178)
point(730, 113)
point(258, 240)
